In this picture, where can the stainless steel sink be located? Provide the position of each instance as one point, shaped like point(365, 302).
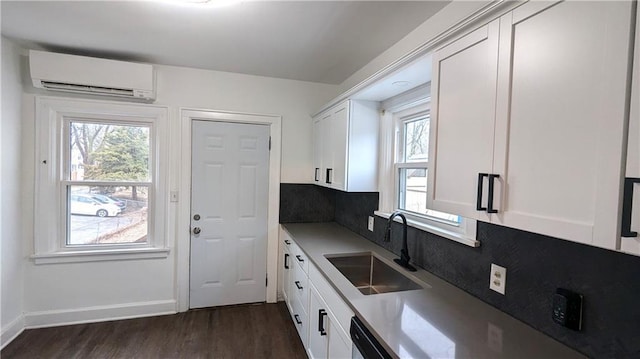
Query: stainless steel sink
point(371, 275)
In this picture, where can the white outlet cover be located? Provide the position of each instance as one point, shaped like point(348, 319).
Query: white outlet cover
point(370, 225)
point(498, 278)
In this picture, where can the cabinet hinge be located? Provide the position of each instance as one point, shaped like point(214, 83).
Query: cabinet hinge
point(266, 281)
point(269, 143)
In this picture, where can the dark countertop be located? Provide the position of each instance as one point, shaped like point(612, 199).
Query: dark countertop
point(439, 321)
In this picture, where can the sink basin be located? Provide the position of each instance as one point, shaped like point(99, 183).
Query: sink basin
point(371, 275)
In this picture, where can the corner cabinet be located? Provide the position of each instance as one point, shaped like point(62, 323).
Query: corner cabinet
point(630, 240)
point(528, 120)
point(319, 314)
point(345, 146)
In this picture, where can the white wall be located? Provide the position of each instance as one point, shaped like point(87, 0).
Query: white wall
point(11, 238)
point(449, 16)
point(76, 292)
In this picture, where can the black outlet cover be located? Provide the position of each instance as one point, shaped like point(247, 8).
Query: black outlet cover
point(567, 309)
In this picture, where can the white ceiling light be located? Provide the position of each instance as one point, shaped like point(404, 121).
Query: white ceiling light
point(203, 3)
point(401, 83)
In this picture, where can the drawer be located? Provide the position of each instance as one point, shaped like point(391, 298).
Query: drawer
point(299, 257)
point(300, 286)
point(286, 239)
point(337, 306)
point(300, 320)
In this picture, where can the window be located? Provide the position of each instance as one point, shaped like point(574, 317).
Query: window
point(412, 167)
point(100, 191)
point(107, 201)
point(404, 174)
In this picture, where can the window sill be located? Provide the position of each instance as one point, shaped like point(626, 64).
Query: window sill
point(454, 236)
point(100, 255)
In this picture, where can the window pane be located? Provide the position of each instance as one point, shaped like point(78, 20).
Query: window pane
point(108, 152)
point(416, 134)
point(413, 195)
point(107, 214)
point(413, 190)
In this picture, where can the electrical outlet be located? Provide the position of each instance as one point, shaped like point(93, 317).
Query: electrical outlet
point(370, 225)
point(498, 278)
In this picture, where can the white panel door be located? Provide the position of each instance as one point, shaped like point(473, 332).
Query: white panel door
point(230, 165)
point(462, 121)
point(560, 118)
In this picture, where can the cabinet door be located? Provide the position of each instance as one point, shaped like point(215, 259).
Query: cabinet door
point(317, 150)
point(339, 344)
point(632, 244)
point(326, 151)
point(318, 318)
point(462, 121)
point(339, 140)
point(560, 118)
point(317, 137)
point(286, 275)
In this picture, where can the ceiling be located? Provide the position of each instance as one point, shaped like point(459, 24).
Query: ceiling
point(318, 41)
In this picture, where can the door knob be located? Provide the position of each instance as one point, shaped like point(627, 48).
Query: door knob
point(196, 217)
point(196, 230)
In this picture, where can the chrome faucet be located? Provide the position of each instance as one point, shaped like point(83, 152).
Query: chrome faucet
point(404, 253)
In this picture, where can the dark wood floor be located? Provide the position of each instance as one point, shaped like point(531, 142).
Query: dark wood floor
point(247, 331)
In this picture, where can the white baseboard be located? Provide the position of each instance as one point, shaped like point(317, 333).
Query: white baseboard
point(11, 331)
point(54, 318)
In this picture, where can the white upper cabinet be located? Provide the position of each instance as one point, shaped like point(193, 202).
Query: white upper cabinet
point(541, 148)
point(345, 141)
point(463, 94)
point(630, 241)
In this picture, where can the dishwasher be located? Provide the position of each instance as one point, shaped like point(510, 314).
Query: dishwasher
point(365, 346)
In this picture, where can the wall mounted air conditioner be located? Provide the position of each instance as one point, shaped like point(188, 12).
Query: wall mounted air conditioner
point(92, 75)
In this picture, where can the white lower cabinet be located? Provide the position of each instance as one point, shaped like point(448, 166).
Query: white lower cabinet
point(326, 337)
point(301, 320)
point(319, 314)
point(286, 274)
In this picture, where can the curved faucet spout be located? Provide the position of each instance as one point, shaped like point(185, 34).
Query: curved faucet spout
point(404, 253)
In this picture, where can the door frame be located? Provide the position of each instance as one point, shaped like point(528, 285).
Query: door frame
point(183, 230)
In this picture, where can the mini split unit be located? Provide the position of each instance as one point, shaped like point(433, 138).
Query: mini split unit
point(90, 75)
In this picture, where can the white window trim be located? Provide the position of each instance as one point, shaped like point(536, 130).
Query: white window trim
point(49, 227)
point(403, 106)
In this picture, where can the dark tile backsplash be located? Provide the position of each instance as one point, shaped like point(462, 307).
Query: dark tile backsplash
point(536, 266)
point(306, 203)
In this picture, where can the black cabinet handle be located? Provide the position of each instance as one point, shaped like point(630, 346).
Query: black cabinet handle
point(627, 206)
point(328, 181)
point(321, 314)
point(315, 176)
point(490, 208)
point(298, 321)
point(298, 284)
point(287, 242)
point(286, 263)
point(481, 177)
point(299, 258)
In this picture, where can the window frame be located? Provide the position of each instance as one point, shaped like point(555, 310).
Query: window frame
point(53, 118)
point(394, 116)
